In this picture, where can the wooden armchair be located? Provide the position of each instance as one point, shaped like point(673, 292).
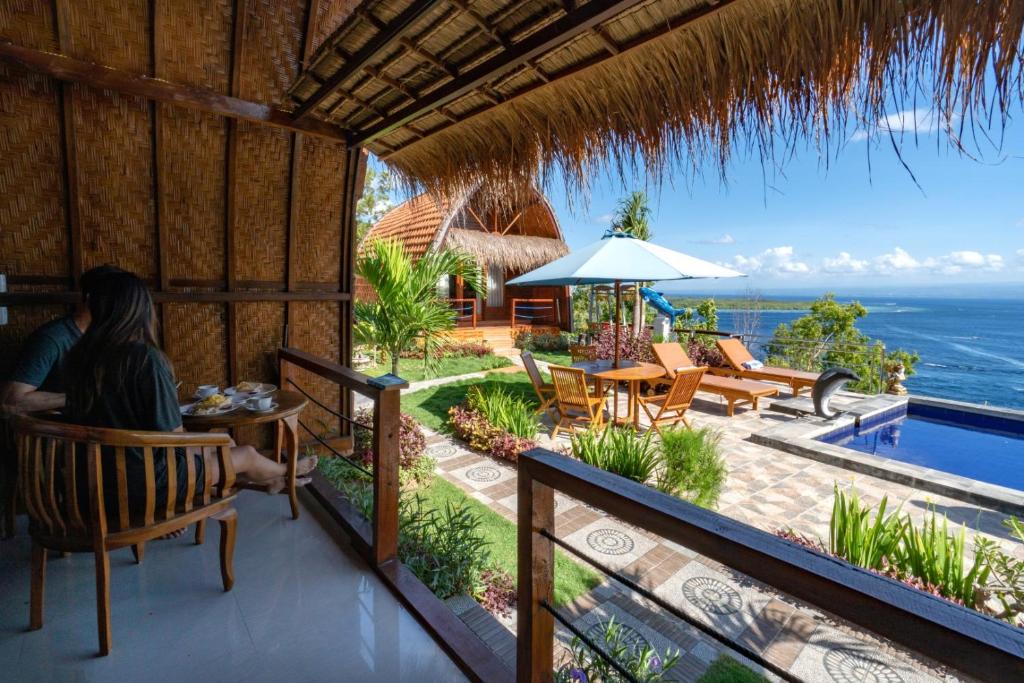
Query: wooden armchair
point(68, 514)
point(670, 408)
point(576, 403)
point(545, 391)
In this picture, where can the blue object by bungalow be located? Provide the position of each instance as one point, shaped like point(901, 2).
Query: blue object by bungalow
point(661, 304)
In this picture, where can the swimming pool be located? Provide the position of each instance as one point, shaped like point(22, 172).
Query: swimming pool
point(979, 446)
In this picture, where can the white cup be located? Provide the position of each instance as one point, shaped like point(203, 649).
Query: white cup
point(261, 402)
point(207, 390)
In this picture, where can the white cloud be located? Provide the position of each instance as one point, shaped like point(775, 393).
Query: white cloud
point(604, 219)
point(896, 260)
point(958, 261)
point(915, 121)
point(726, 238)
point(773, 261)
point(844, 263)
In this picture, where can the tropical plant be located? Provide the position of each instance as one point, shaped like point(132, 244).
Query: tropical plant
point(633, 216)
point(937, 557)
point(860, 538)
point(635, 656)
point(619, 450)
point(445, 548)
point(1007, 588)
point(692, 465)
point(504, 410)
point(407, 307)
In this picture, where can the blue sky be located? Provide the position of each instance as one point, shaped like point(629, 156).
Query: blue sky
point(851, 225)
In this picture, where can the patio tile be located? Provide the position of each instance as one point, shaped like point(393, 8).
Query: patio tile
point(832, 655)
point(482, 474)
point(610, 542)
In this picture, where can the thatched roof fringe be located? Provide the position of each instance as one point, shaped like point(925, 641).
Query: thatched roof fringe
point(760, 75)
point(514, 252)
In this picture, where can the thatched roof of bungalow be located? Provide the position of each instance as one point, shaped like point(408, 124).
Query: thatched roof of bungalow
point(504, 89)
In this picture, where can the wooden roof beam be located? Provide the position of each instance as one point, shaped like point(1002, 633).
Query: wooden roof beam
point(67, 69)
point(569, 26)
point(384, 39)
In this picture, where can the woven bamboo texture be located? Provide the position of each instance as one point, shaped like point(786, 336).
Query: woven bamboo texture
point(277, 27)
point(192, 197)
point(33, 238)
point(262, 188)
point(28, 23)
point(200, 53)
point(318, 228)
point(259, 331)
point(195, 340)
point(314, 328)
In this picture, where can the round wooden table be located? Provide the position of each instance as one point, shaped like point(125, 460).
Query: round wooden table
point(286, 431)
point(628, 371)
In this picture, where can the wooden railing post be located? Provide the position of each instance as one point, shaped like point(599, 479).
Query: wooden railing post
point(473, 304)
point(535, 628)
point(386, 424)
point(514, 312)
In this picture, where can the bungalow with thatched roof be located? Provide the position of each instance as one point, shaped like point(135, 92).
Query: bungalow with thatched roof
point(505, 241)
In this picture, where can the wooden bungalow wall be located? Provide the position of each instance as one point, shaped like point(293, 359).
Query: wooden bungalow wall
point(243, 230)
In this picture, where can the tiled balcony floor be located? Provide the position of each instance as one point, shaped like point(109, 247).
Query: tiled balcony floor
point(303, 609)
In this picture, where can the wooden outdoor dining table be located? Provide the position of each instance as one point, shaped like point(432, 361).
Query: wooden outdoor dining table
point(631, 372)
point(286, 431)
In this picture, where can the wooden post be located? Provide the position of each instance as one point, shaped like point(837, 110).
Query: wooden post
point(535, 630)
point(386, 423)
point(618, 319)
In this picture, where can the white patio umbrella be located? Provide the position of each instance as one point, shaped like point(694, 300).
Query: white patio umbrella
point(619, 257)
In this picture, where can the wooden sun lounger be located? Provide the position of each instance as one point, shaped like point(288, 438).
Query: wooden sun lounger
point(671, 356)
point(735, 354)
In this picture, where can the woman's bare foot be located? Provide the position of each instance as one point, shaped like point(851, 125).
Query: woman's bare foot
point(306, 465)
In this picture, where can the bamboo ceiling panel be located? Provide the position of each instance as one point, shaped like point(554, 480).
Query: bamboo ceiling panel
point(318, 229)
point(271, 49)
point(195, 340)
point(261, 203)
point(33, 232)
point(114, 33)
point(193, 178)
point(115, 177)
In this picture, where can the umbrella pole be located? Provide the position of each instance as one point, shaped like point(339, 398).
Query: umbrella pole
point(618, 319)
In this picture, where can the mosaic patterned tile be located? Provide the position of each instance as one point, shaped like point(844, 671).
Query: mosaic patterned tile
point(834, 657)
point(613, 544)
point(482, 474)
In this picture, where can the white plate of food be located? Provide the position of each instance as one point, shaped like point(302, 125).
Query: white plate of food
point(217, 404)
point(250, 389)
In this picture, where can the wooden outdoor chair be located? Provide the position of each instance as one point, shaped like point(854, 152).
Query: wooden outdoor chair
point(576, 403)
point(67, 514)
point(671, 407)
point(582, 352)
point(544, 390)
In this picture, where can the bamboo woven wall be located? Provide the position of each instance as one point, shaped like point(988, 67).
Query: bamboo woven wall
point(237, 225)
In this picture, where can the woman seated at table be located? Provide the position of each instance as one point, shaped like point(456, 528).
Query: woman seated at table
point(117, 377)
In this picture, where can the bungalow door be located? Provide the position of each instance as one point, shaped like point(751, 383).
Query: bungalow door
point(495, 291)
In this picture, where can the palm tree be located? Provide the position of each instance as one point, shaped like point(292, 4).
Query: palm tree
point(633, 216)
point(408, 306)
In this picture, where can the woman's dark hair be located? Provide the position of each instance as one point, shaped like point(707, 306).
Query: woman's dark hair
point(122, 325)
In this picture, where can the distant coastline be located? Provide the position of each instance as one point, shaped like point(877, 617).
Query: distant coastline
point(741, 303)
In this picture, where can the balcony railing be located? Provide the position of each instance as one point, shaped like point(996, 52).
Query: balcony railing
point(376, 539)
point(536, 311)
point(948, 633)
point(465, 311)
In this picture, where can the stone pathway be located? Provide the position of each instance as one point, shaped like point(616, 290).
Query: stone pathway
point(766, 488)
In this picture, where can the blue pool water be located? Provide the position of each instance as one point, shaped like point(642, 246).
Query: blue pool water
point(981, 447)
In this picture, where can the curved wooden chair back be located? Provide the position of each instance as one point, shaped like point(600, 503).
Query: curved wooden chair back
point(570, 386)
point(684, 387)
point(63, 471)
point(532, 370)
point(53, 457)
point(735, 353)
point(581, 352)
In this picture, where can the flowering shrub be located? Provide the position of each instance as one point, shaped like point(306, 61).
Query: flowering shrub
point(473, 427)
point(704, 352)
point(632, 346)
point(453, 349)
point(498, 595)
point(528, 341)
point(412, 446)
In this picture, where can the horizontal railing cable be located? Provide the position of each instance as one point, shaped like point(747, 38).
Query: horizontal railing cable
point(668, 607)
point(330, 410)
point(333, 450)
point(585, 639)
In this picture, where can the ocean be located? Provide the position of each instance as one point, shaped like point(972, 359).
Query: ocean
point(971, 349)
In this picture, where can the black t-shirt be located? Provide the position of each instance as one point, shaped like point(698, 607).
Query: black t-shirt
point(138, 393)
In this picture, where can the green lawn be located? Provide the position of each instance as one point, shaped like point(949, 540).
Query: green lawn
point(556, 357)
point(571, 579)
point(411, 369)
point(728, 670)
point(430, 406)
